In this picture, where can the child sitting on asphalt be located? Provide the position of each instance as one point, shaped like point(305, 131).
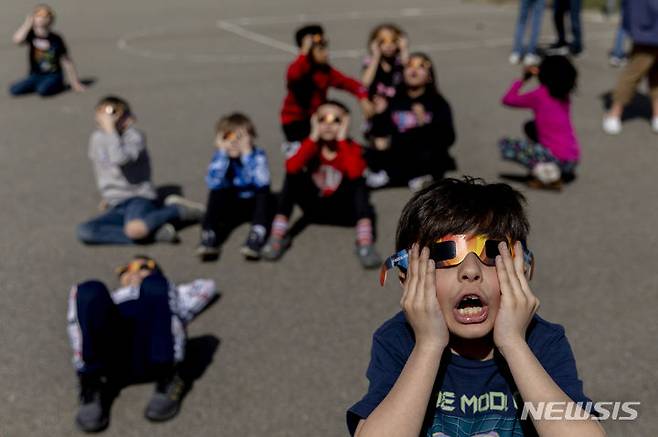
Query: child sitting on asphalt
point(382, 68)
point(131, 211)
point(239, 182)
point(48, 56)
point(309, 77)
point(468, 347)
point(412, 133)
point(133, 334)
point(551, 151)
point(325, 178)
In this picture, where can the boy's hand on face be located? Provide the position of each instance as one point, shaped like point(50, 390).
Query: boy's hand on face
point(517, 302)
point(315, 128)
point(307, 44)
point(419, 301)
point(344, 128)
point(106, 121)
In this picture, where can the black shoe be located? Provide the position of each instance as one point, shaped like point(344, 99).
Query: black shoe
point(166, 400)
point(208, 249)
point(254, 243)
point(558, 48)
point(93, 414)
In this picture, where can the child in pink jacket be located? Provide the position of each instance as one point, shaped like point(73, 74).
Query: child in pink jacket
point(551, 151)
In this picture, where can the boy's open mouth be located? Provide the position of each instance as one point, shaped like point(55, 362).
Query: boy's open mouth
point(471, 308)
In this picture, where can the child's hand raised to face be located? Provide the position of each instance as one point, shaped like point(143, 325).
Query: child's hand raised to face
point(517, 302)
point(106, 121)
point(419, 301)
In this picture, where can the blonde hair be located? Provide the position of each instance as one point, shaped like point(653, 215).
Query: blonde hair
point(233, 121)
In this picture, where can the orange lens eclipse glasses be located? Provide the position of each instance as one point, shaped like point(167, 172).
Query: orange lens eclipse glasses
point(135, 266)
point(450, 250)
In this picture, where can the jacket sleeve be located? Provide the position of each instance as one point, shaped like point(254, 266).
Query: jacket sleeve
point(306, 152)
point(515, 99)
point(120, 149)
point(258, 170)
point(299, 68)
point(443, 124)
point(216, 176)
point(346, 83)
point(352, 162)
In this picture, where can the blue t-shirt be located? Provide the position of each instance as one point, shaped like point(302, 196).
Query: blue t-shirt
point(469, 397)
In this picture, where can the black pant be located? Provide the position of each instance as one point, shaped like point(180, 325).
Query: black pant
point(348, 204)
point(560, 9)
point(130, 341)
point(403, 162)
point(225, 210)
point(297, 130)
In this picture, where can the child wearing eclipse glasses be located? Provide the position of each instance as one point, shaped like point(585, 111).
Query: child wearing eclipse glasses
point(388, 54)
point(325, 178)
point(308, 79)
point(48, 56)
point(135, 333)
point(131, 212)
point(468, 347)
point(411, 133)
point(239, 189)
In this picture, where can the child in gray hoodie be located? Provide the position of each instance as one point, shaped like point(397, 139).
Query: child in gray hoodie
point(131, 211)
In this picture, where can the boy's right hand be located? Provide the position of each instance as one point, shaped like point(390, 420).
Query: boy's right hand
point(315, 128)
point(419, 301)
point(307, 44)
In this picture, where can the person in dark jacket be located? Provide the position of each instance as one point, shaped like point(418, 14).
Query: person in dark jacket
point(411, 135)
point(641, 23)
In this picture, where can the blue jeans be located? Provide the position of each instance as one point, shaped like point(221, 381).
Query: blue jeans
point(132, 339)
point(618, 50)
point(527, 7)
point(43, 84)
point(108, 227)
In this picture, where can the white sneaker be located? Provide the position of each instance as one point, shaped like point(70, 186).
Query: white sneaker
point(547, 172)
point(654, 125)
point(531, 60)
point(611, 125)
point(377, 179)
point(417, 184)
point(515, 58)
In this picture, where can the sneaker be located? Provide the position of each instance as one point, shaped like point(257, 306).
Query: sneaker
point(188, 210)
point(417, 184)
point(254, 243)
point(208, 249)
point(616, 61)
point(611, 125)
point(530, 60)
point(166, 234)
point(377, 179)
point(368, 257)
point(546, 172)
point(515, 58)
point(275, 248)
point(93, 414)
point(166, 400)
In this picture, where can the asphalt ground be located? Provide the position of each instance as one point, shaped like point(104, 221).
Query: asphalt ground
point(294, 337)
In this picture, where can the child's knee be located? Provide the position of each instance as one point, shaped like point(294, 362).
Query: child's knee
point(90, 291)
point(154, 287)
point(136, 230)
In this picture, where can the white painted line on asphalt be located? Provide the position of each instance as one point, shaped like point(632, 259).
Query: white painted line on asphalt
point(256, 37)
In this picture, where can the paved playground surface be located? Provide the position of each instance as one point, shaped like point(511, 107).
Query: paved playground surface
point(294, 337)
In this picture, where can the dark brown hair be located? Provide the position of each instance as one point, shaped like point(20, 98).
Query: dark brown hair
point(459, 206)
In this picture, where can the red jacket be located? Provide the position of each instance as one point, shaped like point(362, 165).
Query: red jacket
point(308, 86)
point(328, 174)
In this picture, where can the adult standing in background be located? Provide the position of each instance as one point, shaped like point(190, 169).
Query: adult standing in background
point(561, 46)
point(641, 23)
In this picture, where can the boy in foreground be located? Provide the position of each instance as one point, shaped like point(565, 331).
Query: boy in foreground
point(468, 348)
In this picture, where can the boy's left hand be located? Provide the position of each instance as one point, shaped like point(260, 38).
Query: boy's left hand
point(343, 130)
point(517, 302)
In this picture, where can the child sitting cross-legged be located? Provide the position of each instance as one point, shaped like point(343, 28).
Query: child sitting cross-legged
point(324, 176)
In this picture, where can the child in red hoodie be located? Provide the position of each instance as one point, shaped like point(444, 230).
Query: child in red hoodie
point(308, 78)
point(325, 178)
